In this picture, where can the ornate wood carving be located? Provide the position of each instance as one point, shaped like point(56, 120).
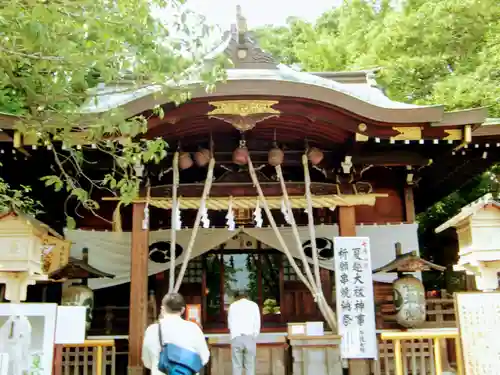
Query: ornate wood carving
point(243, 114)
point(407, 133)
point(453, 134)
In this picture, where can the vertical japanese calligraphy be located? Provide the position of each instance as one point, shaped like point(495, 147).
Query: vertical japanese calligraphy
point(478, 316)
point(355, 302)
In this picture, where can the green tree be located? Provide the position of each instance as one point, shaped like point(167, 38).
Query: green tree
point(17, 200)
point(53, 54)
point(428, 51)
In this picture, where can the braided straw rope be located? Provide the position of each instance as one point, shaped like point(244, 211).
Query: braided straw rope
point(270, 217)
point(173, 224)
point(222, 203)
point(196, 226)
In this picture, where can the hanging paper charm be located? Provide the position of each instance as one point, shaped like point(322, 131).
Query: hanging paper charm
point(178, 221)
point(205, 221)
point(231, 225)
point(257, 215)
point(145, 221)
point(284, 211)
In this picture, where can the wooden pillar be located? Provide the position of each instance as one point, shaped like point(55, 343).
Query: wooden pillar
point(347, 228)
point(138, 290)
point(409, 205)
point(347, 221)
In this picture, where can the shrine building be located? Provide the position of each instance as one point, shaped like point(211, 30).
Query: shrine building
point(373, 163)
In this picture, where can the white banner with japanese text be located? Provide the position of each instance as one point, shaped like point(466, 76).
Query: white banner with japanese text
point(355, 300)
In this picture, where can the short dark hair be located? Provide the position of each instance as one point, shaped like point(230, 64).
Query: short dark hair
point(239, 294)
point(173, 303)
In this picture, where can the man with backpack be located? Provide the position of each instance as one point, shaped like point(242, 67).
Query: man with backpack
point(174, 346)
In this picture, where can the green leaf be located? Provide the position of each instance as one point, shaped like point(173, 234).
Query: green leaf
point(70, 223)
point(54, 181)
point(80, 194)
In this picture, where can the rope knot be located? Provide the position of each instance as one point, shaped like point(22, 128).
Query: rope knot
point(318, 296)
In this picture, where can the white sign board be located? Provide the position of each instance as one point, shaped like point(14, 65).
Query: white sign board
point(355, 301)
point(70, 324)
point(478, 316)
point(4, 364)
point(40, 346)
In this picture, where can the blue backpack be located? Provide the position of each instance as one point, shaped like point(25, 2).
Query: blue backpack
point(175, 360)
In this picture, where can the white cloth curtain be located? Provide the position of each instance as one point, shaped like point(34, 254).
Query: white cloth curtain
point(110, 251)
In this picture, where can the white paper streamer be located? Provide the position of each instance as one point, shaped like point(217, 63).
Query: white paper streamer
point(145, 222)
point(205, 221)
point(231, 225)
point(257, 216)
point(284, 211)
point(178, 220)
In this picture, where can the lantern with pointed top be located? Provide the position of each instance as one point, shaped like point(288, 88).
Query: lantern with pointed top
point(79, 294)
point(409, 292)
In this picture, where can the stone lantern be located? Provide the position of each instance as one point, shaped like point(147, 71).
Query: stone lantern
point(408, 291)
point(75, 290)
point(30, 252)
point(477, 226)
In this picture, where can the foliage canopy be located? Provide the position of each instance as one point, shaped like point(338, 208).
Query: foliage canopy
point(54, 53)
point(428, 51)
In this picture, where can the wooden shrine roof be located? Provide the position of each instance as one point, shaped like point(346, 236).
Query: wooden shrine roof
point(409, 262)
point(79, 269)
point(38, 226)
point(468, 211)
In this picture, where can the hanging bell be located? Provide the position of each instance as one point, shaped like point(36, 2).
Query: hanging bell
point(315, 155)
point(202, 157)
point(275, 156)
point(185, 160)
point(240, 155)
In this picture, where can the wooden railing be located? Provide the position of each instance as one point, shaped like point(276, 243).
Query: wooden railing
point(419, 351)
point(93, 357)
point(113, 320)
point(440, 314)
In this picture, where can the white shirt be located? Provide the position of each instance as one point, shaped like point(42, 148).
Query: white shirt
point(177, 331)
point(243, 318)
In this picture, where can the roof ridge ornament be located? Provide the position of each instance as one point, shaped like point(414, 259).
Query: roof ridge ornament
point(243, 49)
point(241, 25)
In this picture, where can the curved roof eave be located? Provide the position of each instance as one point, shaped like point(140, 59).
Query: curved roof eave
point(473, 116)
point(361, 99)
point(144, 99)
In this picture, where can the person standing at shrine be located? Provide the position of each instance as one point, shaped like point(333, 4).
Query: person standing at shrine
point(244, 326)
point(176, 331)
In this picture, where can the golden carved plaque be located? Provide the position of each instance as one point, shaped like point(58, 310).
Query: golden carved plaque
point(243, 107)
point(243, 114)
point(361, 137)
point(453, 134)
point(407, 133)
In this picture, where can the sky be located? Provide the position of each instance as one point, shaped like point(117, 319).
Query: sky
point(260, 12)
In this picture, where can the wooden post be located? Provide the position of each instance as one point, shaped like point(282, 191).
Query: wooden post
point(409, 205)
point(347, 228)
point(138, 290)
